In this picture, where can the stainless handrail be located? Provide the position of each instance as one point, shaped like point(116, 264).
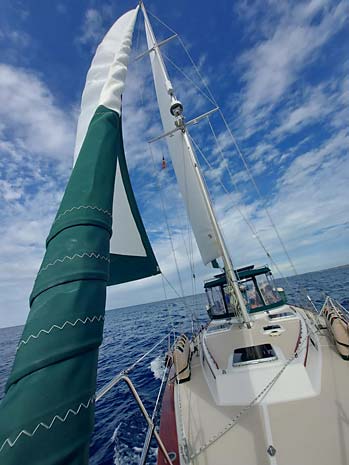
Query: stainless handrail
point(149, 435)
point(116, 379)
point(134, 392)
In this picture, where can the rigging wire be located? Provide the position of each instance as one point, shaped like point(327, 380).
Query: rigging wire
point(188, 248)
point(245, 217)
point(167, 225)
point(106, 388)
point(188, 78)
point(190, 252)
point(169, 309)
point(213, 100)
point(141, 89)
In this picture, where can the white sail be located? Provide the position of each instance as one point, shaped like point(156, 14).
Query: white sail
point(105, 83)
point(105, 80)
point(182, 162)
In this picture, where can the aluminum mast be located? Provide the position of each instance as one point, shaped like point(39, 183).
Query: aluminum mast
point(176, 109)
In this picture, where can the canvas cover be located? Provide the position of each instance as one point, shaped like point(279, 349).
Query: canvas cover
point(47, 414)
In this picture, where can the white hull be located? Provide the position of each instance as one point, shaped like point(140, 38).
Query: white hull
point(303, 414)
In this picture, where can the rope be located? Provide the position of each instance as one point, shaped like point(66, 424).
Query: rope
point(141, 94)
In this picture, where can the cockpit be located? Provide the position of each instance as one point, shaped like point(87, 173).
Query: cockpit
point(257, 287)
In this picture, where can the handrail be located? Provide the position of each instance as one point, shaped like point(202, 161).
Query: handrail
point(135, 394)
point(116, 379)
point(149, 435)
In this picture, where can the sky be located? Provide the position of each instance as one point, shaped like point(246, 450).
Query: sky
point(278, 70)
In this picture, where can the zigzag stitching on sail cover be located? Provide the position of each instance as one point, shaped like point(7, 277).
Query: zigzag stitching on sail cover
point(76, 255)
point(79, 320)
point(92, 207)
point(49, 426)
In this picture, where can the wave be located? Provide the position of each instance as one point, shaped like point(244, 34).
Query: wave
point(157, 366)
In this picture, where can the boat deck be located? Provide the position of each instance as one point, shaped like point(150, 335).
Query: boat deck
point(307, 431)
point(221, 345)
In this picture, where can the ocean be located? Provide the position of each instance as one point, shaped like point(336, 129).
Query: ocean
point(129, 332)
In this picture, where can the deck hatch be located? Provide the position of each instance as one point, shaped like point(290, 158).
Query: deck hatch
point(253, 354)
point(271, 327)
point(219, 327)
point(281, 315)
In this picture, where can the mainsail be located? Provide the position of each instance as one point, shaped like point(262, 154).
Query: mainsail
point(191, 183)
point(183, 165)
point(47, 414)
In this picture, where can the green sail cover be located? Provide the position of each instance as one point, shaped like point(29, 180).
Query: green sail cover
point(47, 414)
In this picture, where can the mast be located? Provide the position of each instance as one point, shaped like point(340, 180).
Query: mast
point(176, 109)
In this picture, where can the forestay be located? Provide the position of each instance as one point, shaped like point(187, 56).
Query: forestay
point(181, 160)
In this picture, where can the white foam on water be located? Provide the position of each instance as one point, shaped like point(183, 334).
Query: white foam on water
point(153, 452)
point(117, 456)
point(123, 454)
point(157, 366)
point(114, 437)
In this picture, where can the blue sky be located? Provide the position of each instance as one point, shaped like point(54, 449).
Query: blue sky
point(279, 71)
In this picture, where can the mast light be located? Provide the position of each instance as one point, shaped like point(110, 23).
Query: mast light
point(176, 108)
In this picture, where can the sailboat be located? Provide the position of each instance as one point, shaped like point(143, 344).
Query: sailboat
point(264, 382)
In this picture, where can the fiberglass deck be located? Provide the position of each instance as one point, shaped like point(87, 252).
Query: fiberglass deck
point(309, 431)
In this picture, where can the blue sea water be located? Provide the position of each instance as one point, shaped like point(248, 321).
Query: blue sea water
point(129, 332)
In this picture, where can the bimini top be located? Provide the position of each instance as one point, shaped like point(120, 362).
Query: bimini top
point(242, 273)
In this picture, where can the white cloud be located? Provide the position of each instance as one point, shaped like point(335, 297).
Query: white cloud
point(92, 28)
point(94, 25)
point(15, 38)
point(16, 45)
point(9, 192)
point(311, 111)
point(325, 105)
point(29, 113)
point(36, 146)
point(274, 63)
point(307, 200)
point(306, 165)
